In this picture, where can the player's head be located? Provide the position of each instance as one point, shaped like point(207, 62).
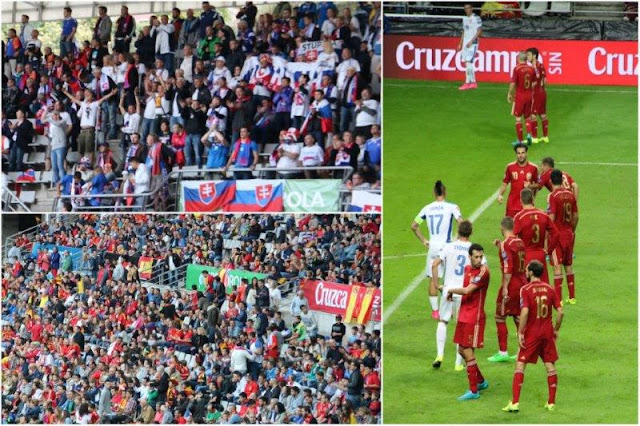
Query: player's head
point(546, 164)
point(556, 178)
point(532, 54)
point(476, 252)
point(506, 225)
point(522, 57)
point(439, 189)
point(521, 152)
point(468, 9)
point(526, 197)
point(465, 229)
point(534, 269)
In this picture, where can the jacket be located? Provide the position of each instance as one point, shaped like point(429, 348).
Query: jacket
point(23, 134)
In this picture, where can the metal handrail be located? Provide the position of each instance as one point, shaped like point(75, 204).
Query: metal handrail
point(120, 195)
point(13, 197)
point(346, 169)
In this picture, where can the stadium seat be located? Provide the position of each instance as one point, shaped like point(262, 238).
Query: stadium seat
point(536, 8)
point(73, 157)
point(40, 141)
point(269, 147)
point(560, 7)
point(27, 197)
point(32, 158)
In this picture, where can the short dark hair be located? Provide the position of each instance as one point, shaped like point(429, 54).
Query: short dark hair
point(526, 196)
point(103, 8)
point(556, 177)
point(465, 228)
point(534, 51)
point(68, 9)
point(520, 145)
point(536, 268)
point(549, 162)
point(475, 247)
point(439, 188)
point(507, 223)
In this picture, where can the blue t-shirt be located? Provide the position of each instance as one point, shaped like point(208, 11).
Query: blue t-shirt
point(374, 148)
point(68, 25)
point(218, 154)
point(245, 156)
point(66, 182)
point(98, 183)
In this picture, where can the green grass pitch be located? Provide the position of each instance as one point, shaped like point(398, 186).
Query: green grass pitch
point(433, 131)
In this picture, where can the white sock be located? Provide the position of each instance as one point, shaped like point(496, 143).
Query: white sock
point(441, 337)
point(504, 353)
point(459, 358)
point(466, 74)
point(434, 302)
point(471, 73)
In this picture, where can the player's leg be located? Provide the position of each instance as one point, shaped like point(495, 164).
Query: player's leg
point(571, 283)
point(433, 290)
point(552, 385)
point(472, 373)
point(503, 334)
point(467, 75)
point(459, 359)
point(534, 127)
point(519, 134)
point(471, 53)
point(516, 387)
point(556, 261)
point(446, 312)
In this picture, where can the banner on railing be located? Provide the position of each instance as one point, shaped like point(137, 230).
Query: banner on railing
point(145, 268)
point(582, 62)
point(311, 49)
point(230, 277)
point(261, 195)
point(354, 303)
point(76, 253)
point(365, 201)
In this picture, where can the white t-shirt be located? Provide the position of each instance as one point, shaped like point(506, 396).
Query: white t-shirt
point(64, 115)
point(439, 216)
point(328, 28)
point(454, 256)
point(285, 162)
point(364, 118)
point(187, 67)
point(470, 25)
point(131, 123)
point(150, 108)
point(311, 155)
point(88, 114)
point(342, 70)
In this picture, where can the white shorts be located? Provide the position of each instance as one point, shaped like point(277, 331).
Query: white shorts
point(449, 308)
point(432, 255)
point(468, 53)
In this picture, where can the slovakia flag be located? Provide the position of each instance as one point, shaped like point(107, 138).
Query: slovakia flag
point(28, 176)
point(366, 202)
point(207, 196)
point(257, 195)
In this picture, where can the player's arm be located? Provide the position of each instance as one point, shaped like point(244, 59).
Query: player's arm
point(434, 276)
point(574, 189)
point(501, 192)
point(524, 316)
point(461, 38)
point(463, 290)
point(415, 227)
point(559, 316)
point(475, 37)
point(574, 220)
point(512, 89)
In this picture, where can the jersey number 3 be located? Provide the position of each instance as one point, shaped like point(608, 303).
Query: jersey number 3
point(460, 267)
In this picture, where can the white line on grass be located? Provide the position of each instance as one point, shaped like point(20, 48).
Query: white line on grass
point(581, 163)
point(481, 87)
point(418, 279)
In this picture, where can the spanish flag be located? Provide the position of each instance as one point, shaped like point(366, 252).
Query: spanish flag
point(144, 268)
point(353, 305)
point(365, 308)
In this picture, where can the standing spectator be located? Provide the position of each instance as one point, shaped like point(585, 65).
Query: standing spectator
point(190, 31)
point(102, 29)
point(282, 101)
point(25, 30)
point(188, 64)
point(162, 31)
point(21, 137)
point(366, 114)
point(125, 31)
point(244, 154)
point(218, 149)
point(69, 28)
point(288, 153)
point(311, 155)
point(373, 152)
point(348, 98)
point(58, 132)
point(145, 46)
point(194, 124)
point(13, 50)
point(159, 160)
point(102, 86)
point(140, 180)
point(208, 16)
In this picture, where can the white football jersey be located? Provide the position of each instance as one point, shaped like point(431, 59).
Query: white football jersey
point(455, 256)
point(471, 25)
point(439, 216)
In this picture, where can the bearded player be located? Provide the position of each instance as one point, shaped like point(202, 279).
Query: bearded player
point(539, 106)
point(544, 181)
point(522, 82)
point(520, 174)
point(563, 211)
point(512, 254)
point(537, 335)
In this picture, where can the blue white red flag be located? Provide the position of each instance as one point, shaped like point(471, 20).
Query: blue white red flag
point(28, 176)
point(257, 195)
point(208, 196)
point(366, 202)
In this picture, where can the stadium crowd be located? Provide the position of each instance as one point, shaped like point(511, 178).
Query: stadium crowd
point(191, 90)
point(90, 343)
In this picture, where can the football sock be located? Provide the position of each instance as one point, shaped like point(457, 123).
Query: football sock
point(503, 333)
point(534, 128)
point(472, 375)
point(557, 282)
point(516, 387)
point(552, 383)
point(459, 358)
point(480, 377)
point(527, 124)
point(519, 131)
point(572, 288)
point(545, 127)
point(471, 75)
point(441, 337)
point(433, 300)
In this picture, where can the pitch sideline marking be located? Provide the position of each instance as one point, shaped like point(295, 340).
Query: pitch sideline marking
point(437, 86)
point(418, 279)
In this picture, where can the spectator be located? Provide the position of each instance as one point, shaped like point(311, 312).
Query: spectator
point(21, 134)
point(102, 28)
point(244, 154)
point(125, 31)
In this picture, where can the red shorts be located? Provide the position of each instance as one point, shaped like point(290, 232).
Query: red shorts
point(521, 106)
point(563, 253)
point(539, 103)
point(512, 306)
point(543, 348)
point(539, 255)
point(469, 335)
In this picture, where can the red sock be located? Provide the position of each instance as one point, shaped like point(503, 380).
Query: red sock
point(479, 375)
point(534, 128)
point(552, 383)
point(545, 127)
point(516, 387)
point(571, 283)
point(557, 282)
point(472, 375)
point(519, 131)
point(527, 123)
point(502, 335)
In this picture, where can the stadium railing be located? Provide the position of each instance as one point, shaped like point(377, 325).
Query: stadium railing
point(10, 200)
point(147, 202)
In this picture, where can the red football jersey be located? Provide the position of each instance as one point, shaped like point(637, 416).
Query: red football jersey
point(562, 204)
point(472, 305)
point(540, 298)
point(534, 226)
point(524, 77)
point(512, 260)
point(517, 175)
point(541, 73)
point(545, 180)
